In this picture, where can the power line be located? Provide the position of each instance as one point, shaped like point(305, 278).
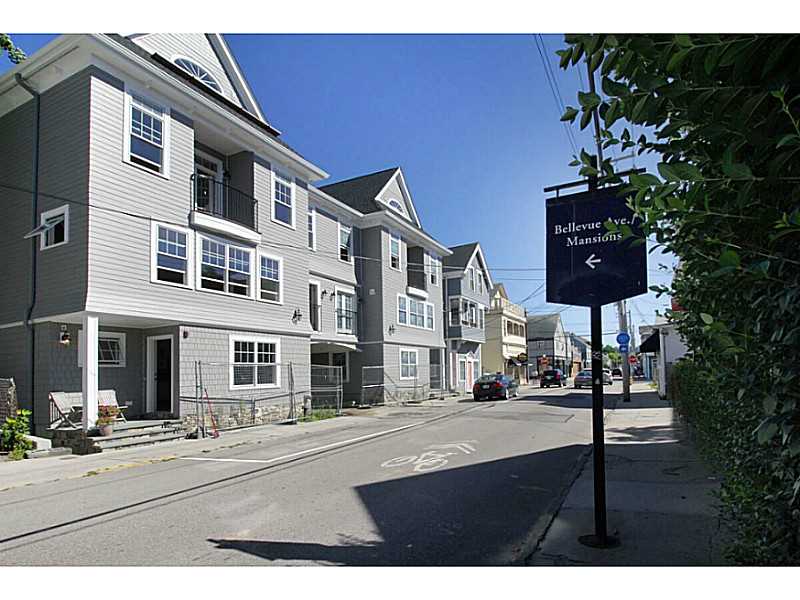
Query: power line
point(559, 104)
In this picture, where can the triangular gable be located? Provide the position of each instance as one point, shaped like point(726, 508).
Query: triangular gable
point(212, 54)
point(482, 263)
point(396, 190)
point(500, 290)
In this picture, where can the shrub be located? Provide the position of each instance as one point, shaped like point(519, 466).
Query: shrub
point(12, 435)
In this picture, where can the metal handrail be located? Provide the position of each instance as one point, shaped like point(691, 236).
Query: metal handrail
point(224, 201)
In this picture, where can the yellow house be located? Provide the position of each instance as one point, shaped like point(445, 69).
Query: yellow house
point(505, 348)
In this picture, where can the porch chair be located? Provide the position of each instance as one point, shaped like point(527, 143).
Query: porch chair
point(65, 409)
point(109, 398)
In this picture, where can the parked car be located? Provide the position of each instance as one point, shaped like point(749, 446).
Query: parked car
point(553, 377)
point(617, 372)
point(494, 386)
point(584, 378)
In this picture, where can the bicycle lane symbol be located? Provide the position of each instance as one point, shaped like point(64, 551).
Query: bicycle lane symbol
point(434, 457)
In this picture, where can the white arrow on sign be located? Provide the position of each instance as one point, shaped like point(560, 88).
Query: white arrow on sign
point(592, 261)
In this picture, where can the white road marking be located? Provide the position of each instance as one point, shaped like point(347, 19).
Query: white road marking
point(318, 448)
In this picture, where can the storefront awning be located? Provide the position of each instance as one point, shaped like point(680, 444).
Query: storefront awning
point(651, 344)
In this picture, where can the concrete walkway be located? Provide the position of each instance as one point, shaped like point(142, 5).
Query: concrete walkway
point(659, 495)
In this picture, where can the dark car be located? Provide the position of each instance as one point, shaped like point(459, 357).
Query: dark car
point(584, 378)
point(494, 386)
point(553, 377)
point(616, 372)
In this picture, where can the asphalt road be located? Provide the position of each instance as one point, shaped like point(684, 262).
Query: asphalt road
point(451, 485)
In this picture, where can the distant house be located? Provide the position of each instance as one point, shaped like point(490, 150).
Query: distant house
point(660, 349)
point(505, 337)
point(548, 344)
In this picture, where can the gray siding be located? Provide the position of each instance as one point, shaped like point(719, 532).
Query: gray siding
point(194, 46)
point(325, 260)
point(393, 191)
point(327, 312)
point(120, 253)
point(63, 172)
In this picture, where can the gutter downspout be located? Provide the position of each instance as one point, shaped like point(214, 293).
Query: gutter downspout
point(34, 253)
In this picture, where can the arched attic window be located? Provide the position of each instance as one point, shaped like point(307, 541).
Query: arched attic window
point(200, 73)
point(396, 206)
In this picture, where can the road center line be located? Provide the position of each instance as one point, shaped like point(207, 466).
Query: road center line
point(327, 446)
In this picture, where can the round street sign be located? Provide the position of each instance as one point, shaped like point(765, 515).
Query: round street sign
point(623, 338)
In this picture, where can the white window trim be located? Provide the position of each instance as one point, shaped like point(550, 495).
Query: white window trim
point(416, 362)
point(232, 339)
point(198, 253)
point(313, 213)
point(471, 278)
point(280, 278)
point(61, 210)
point(434, 268)
point(401, 211)
point(154, 255)
point(166, 134)
point(392, 237)
point(349, 291)
point(319, 306)
point(339, 242)
point(346, 361)
point(408, 313)
point(120, 336)
point(286, 176)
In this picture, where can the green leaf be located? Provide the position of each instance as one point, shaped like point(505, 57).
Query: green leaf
point(569, 114)
point(770, 403)
point(597, 58)
point(588, 100)
point(684, 40)
point(614, 88)
point(565, 55)
point(638, 109)
point(737, 170)
point(766, 431)
point(677, 60)
point(706, 318)
point(644, 180)
point(585, 118)
point(729, 258)
point(787, 140)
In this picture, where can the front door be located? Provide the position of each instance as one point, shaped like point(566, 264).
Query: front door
point(163, 375)
point(209, 195)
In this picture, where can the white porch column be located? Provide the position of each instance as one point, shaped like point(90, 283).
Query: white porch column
point(89, 372)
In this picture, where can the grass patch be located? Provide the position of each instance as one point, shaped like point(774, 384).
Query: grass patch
point(319, 415)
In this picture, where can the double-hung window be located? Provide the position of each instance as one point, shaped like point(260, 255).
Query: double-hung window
point(480, 283)
point(471, 277)
point(417, 313)
point(345, 243)
point(454, 311)
point(225, 267)
point(312, 229)
point(464, 312)
point(282, 198)
point(402, 310)
point(171, 259)
point(147, 135)
point(408, 364)
point(434, 265)
point(270, 280)
point(394, 251)
point(345, 312)
point(429, 319)
point(254, 363)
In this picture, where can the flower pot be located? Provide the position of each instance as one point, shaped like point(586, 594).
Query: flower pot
point(107, 429)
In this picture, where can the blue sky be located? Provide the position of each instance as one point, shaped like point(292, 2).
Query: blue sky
point(471, 119)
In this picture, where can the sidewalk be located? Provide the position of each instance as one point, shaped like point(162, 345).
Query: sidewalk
point(659, 496)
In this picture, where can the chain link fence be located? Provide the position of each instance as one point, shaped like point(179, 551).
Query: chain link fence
point(325, 397)
point(382, 385)
point(224, 395)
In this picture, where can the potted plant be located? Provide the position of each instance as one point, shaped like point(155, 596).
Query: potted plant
point(106, 415)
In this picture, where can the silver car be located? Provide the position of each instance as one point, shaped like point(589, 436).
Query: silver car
point(584, 379)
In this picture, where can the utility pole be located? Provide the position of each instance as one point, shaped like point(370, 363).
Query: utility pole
point(626, 366)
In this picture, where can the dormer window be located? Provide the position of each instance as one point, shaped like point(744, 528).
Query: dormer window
point(200, 73)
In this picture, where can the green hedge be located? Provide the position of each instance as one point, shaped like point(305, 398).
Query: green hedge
point(758, 479)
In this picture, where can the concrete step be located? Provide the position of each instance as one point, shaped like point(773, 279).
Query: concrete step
point(137, 432)
point(146, 424)
point(111, 443)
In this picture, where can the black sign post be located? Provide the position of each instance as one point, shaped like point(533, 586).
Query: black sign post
point(589, 266)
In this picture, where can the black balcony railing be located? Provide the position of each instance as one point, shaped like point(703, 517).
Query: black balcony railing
point(221, 200)
point(345, 321)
